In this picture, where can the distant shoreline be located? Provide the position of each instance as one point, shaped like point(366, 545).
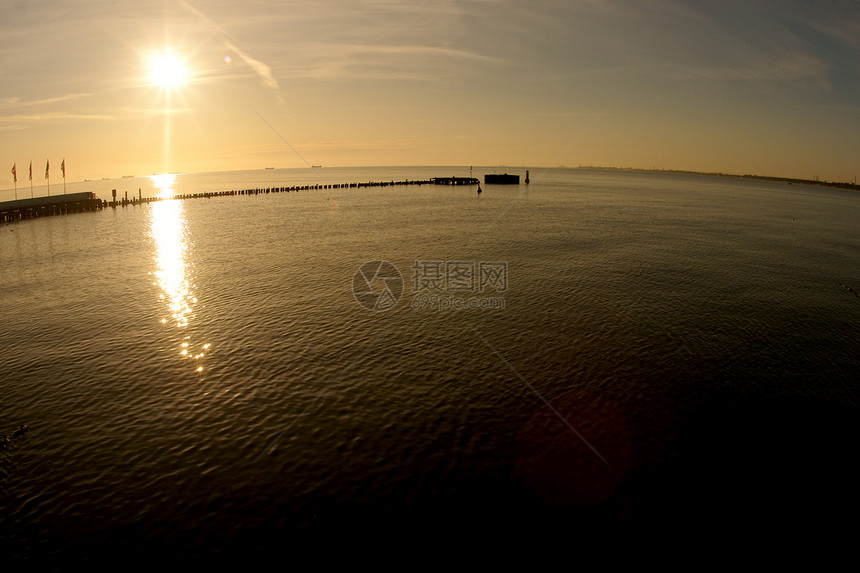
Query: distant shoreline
point(811, 182)
point(814, 182)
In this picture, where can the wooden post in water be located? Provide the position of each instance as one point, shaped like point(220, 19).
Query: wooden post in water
point(527, 176)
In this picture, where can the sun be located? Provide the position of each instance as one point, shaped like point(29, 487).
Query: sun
point(167, 70)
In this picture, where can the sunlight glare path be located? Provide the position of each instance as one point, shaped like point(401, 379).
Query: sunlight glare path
point(168, 230)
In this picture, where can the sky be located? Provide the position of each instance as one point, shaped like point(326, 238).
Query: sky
point(764, 87)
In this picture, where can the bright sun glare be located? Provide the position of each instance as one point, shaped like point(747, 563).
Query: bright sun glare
point(166, 70)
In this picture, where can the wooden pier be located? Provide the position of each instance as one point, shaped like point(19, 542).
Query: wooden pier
point(47, 206)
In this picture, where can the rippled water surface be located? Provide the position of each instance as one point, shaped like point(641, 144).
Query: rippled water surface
point(198, 376)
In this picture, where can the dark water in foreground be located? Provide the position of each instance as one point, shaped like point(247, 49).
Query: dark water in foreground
point(199, 378)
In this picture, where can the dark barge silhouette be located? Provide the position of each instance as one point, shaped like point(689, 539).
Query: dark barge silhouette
point(501, 179)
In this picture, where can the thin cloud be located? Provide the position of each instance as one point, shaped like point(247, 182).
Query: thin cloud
point(384, 61)
point(55, 115)
point(262, 70)
point(16, 102)
point(211, 23)
point(761, 68)
point(406, 50)
point(153, 112)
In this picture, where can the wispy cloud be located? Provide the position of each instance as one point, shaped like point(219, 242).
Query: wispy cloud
point(344, 61)
point(20, 120)
point(672, 39)
point(262, 70)
point(144, 113)
point(55, 115)
point(212, 24)
point(774, 67)
point(411, 50)
point(17, 102)
point(18, 112)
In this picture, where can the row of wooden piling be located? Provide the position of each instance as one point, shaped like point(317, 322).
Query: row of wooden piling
point(124, 202)
point(293, 188)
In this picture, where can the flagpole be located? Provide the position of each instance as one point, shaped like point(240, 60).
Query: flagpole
point(63, 169)
point(15, 177)
point(31, 179)
point(48, 175)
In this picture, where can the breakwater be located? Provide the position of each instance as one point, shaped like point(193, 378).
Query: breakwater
point(123, 202)
point(79, 202)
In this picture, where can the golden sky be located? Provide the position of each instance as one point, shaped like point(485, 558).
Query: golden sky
point(767, 87)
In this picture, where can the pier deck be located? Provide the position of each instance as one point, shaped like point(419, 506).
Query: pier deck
point(47, 206)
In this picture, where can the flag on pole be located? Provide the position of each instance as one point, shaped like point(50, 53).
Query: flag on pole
point(14, 173)
point(63, 167)
point(47, 167)
point(31, 170)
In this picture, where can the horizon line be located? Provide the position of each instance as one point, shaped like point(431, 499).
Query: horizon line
point(814, 181)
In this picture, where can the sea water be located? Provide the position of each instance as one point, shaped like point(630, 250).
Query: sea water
point(592, 349)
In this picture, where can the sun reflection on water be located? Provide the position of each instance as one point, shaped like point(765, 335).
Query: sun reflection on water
point(165, 184)
point(169, 231)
